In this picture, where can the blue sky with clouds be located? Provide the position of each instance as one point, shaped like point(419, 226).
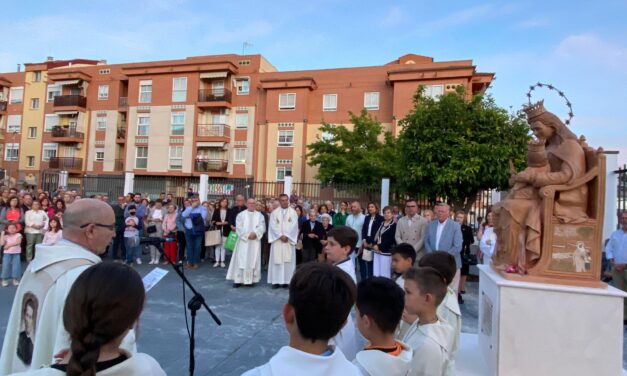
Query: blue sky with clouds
point(579, 46)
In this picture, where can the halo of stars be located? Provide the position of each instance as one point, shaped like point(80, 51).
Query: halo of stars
point(559, 92)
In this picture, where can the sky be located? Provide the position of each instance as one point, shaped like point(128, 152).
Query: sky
point(578, 46)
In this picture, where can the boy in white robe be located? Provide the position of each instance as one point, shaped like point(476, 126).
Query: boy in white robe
point(429, 337)
point(283, 236)
point(403, 259)
point(320, 299)
point(245, 266)
point(448, 310)
point(380, 304)
point(340, 241)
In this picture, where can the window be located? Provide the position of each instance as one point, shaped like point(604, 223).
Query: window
point(241, 120)
point(243, 86)
point(51, 121)
point(16, 94)
point(53, 91)
point(176, 157)
point(177, 127)
point(141, 157)
point(282, 172)
point(32, 132)
point(371, 100)
point(179, 89)
point(50, 151)
point(103, 92)
point(30, 161)
point(143, 124)
point(11, 152)
point(36, 76)
point(329, 102)
point(34, 103)
point(287, 101)
point(101, 123)
point(433, 91)
point(14, 123)
point(100, 155)
point(239, 155)
point(145, 91)
point(286, 138)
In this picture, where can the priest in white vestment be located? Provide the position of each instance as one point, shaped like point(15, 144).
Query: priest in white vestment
point(283, 236)
point(245, 266)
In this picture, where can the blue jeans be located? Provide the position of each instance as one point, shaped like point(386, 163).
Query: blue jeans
point(11, 260)
point(132, 251)
point(194, 242)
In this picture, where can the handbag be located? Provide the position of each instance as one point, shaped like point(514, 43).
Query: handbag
point(213, 237)
point(231, 240)
point(366, 255)
point(151, 229)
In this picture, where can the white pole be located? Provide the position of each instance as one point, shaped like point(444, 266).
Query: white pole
point(611, 196)
point(129, 182)
point(287, 185)
point(63, 175)
point(385, 193)
point(203, 187)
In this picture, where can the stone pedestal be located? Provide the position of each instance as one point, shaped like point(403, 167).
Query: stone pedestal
point(542, 329)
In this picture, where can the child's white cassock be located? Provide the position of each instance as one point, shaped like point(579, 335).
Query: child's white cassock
point(346, 338)
point(379, 363)
point(450, 313)
point(431, 346)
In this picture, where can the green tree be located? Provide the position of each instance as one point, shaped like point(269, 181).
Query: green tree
point(454, 148)
point(362, 155)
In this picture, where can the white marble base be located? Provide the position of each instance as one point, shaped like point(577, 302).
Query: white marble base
point(530, 328)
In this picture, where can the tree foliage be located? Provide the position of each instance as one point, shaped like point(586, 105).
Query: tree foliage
point(453, 148)
point(363, 155)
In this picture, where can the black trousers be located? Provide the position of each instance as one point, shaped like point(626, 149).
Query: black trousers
point(180, 238)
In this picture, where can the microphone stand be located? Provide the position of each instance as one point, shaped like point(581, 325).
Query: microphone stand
point(195, 303)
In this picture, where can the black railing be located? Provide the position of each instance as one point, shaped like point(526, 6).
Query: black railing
point(121, 134)
point(123, 102)
point(621, 189)
point(211, 165)
point(70, 100)
point(66, 132)
point(213, 130)
point(214, 95)
point(3, 105)
point(66, 163)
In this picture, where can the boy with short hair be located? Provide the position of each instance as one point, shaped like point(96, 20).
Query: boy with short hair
point(403, 258)
point(448, 311)
point(380, 304)
point(320, 299)
point(428, 336)
point(340, 242)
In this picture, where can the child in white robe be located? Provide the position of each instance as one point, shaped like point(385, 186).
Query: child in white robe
point(320, 299)
point(429, 337)
point(448, 310)
point(403, 259)
point(340, 241)
point(380, 304)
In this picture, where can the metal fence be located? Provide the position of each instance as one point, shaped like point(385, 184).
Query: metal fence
point(622, 189)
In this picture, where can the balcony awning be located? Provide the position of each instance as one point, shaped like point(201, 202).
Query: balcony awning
point(66, 112)
point(213, 74)
point(67, 82)
point(210, 144)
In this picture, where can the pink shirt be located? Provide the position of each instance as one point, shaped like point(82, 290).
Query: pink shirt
point(12, 239)
point(51, 238)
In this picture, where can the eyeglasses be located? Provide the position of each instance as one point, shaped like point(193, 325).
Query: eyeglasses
point(110, 227)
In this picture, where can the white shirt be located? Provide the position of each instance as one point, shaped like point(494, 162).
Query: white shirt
point(438, 234)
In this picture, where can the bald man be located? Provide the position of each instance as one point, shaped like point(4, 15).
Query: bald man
point(88, 227)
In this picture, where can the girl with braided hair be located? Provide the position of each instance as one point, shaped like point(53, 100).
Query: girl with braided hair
point(103, 305)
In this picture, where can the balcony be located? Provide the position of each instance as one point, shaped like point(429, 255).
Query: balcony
point(67, 134)
point(118, 165)
point(213, 132)
point(123, 102)
point(3, 105)
point(211, 165)
point(66, 163)
point(69, 102)
point(120, 137)
point(214, 98)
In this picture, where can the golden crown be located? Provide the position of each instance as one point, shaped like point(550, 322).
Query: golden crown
point(536, 109)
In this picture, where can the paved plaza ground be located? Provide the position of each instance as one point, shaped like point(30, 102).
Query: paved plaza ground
point(251, 332)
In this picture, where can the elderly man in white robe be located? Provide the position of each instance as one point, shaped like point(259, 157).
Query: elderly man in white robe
point(88, 227)
point(245, 266)
point(283, 236)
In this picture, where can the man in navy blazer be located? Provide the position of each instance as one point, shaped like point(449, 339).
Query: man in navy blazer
point(444, 234)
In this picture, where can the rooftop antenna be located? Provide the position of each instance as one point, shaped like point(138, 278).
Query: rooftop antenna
point(245, 45)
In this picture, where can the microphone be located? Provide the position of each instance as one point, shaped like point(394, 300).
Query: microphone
point(151, 240)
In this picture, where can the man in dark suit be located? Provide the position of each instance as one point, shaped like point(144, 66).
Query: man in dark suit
point(239, 207)
point(444, 234)
point(312, 231)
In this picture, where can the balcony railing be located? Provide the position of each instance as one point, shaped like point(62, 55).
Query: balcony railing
point(3, 105)
point(214, 95)
point(66, 163)
point(211, 165)
point(118, 165)
point(123, 102)
point(66, 132)
point(121, 134)
point(70, 100)
point(213, 130)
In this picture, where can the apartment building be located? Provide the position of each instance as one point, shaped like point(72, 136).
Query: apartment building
point(228, 116)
